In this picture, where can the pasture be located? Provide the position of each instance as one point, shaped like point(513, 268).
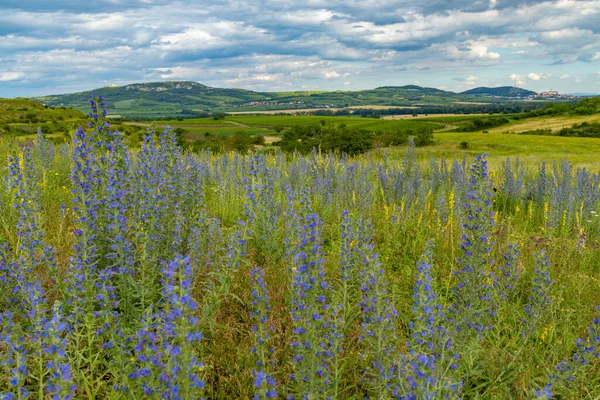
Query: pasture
point(160, 273)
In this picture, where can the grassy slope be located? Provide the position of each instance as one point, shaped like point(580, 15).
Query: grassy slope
point(546, 122)
point(532, 150)
point(15, 111)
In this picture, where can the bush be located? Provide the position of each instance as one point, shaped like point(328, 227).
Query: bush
point(351, 142)
point(423, 137)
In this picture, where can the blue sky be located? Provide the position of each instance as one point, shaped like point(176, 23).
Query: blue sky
point(52, 46)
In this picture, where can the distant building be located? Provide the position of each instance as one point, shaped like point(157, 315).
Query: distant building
point(549, 93)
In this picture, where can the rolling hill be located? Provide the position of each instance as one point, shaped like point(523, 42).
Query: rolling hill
point(501, 91)
point(173, 98)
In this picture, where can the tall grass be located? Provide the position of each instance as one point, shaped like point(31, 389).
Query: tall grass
point(162, 274)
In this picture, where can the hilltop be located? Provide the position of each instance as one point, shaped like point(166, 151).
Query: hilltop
point(501, 91)
point(158, 98)
point(173, 98)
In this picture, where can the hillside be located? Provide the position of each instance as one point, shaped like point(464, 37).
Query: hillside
point(24, 116)
point(502, 91)
point(175, 98)
point(159, 98)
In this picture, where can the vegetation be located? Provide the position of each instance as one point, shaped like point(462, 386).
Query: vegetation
point(584, 129)
point(174, 99)
point(160, 273)
point(478, 124)
point(505, 91)
point(351, 140)
point(587, 106)
point(22, 117)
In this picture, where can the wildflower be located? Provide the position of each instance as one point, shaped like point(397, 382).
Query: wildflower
point(509, 272)
point(378, 322)
point(264, 383)
point(473, 306)
point(309, 312)
point(426, 370)
point(537, 310)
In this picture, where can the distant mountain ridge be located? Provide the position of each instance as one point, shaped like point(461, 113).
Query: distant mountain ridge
point(416, 87)
point(188, 98)
point(503, 91)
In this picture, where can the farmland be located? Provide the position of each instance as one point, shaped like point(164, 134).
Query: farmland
point(161, 273)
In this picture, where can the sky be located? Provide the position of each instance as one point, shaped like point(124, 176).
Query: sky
point(55, 46)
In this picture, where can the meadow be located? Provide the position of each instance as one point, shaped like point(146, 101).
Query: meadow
point(372, 124)
point(158, 273)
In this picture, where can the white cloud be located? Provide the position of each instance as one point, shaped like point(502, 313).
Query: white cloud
point(312, 43)
point(331, 75)
point(518, 79)
point(565, 76)
point(11, 76)
point(536, 77)
point(481, 51)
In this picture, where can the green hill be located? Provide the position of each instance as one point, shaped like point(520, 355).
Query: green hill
point(181, 98)
point(24, 116)
point(159, 98)
point(503, 91)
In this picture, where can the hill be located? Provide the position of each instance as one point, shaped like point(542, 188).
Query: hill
point(182, 98)
point(23, 111)
point(159, 98)
point(502, 91)
point(23, 116)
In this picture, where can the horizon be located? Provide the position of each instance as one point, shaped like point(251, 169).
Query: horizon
point(55, 47)
point(291, 90)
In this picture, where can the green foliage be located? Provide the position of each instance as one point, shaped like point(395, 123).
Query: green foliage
point(423, 137)
point(479, 124)
point(239, 141)
point(584, 130)
point(349, 141)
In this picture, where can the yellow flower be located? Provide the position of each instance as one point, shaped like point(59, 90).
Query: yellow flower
point(544, 334)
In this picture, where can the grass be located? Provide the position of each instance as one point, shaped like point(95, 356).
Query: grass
point(307, 120)
point(321, 230)
point(531, 150)
point(553, 123)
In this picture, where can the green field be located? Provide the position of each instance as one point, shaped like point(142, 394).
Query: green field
point(23, 117)
point(531, 150)
point(307, 120)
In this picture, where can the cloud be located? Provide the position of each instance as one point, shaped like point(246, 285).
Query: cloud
point(11, 76)
point(564, 76)
point(518, 79)
point(302, 44)
point(536, 77)
point(331, 75)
